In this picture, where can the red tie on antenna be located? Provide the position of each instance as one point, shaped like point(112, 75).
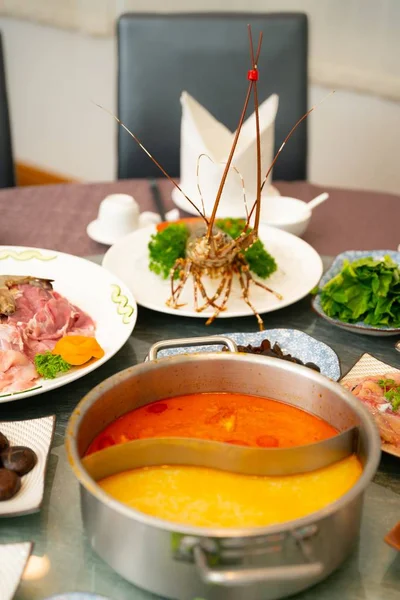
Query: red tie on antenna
point(252, 75)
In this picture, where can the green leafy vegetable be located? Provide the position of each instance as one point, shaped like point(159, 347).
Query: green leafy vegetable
point(261, 263)
point(391, 391)
point(166, 246)
point(365, 290)
point(49, 365)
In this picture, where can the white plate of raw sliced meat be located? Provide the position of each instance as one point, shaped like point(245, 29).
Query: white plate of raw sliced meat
point(61, 317)
point(377, 386)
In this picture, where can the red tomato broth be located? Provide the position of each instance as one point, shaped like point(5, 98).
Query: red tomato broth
point(225, 417)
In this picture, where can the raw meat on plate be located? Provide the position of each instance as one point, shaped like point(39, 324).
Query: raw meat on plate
point(379, 394)
point(41, 317)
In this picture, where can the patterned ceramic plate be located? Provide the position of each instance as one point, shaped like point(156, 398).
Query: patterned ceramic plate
point(336, 267)
point(298, 344)
point(13, 558)
point(90, 287)
point(369, 365)
point(38, 435)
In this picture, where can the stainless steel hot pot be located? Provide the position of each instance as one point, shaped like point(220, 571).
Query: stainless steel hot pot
point(185, 562)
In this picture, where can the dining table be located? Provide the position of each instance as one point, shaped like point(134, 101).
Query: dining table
point(56, 217)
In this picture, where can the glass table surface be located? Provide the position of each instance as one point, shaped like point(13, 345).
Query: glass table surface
point(64, 561)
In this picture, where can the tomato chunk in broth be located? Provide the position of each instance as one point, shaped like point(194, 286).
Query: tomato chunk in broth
point(232, 418)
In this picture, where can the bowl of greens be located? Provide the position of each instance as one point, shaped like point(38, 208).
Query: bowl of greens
point(361, 292)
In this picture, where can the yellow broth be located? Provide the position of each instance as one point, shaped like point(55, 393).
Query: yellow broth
point(210, 498)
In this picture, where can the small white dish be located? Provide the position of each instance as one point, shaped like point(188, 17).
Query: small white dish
point(289, 214)
point(36, 434)
point(13, 559)
point(118, 215)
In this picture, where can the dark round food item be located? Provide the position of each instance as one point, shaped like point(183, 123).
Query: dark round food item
point(19, 459)
point(275, 351)
point(10, 484)
point(4, 443)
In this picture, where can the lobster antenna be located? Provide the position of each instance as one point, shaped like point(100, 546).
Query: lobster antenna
point(233, 167)
point(252, 74)
point(258, 137)
point(153, 159)
point(289, 135)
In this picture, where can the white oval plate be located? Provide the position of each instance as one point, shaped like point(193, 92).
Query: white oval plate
point(299, 270)
point(87, 285)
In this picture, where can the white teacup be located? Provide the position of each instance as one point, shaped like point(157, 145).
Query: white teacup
point(118, 215)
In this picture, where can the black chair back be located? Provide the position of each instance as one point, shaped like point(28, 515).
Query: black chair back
point(207, 55)
point(7, 175)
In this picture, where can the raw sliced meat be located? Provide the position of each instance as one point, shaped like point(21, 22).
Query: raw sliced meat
point(16, 371)
point(44, 316)
point(372, 395)
point(10, 338)
point(29, 300)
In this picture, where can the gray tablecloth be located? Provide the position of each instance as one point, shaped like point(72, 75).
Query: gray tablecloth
point(56, 216)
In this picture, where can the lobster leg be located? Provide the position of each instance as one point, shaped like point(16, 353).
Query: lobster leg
point(249, 278)
point(212, 300)
point(207, 301)
point(176, 291)
point(225, 300)
point(245, 293)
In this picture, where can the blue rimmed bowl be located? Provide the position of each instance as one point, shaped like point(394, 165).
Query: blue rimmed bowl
point(292, 341)
point(337, 265)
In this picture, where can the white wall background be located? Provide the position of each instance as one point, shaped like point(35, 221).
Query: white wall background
point(54, 73)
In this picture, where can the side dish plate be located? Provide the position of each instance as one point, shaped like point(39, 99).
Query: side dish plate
point(368, 365)
point(36, 434)
point(299, 270)
point(93, 289)
point(292, 341)
point(336, 267)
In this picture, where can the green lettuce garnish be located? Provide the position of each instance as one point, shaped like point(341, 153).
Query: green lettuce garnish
point(261, 263)
point(391, 391)
point(166, 246)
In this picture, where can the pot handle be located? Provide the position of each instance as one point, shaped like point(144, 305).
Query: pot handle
point(246, 576)
point(195, 341)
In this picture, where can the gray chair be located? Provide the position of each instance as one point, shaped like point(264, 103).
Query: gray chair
point(207, 55)
point(7, 175)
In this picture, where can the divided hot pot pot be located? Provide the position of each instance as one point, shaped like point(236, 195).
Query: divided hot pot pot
point(186, 562)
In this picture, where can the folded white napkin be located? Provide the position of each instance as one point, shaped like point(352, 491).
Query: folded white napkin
point(201, 133)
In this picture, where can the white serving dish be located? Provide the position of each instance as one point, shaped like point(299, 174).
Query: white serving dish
point(36, 434)
point(286, 213)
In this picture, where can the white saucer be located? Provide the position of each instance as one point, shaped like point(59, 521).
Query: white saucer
point(181, 202)
point(96, 232)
